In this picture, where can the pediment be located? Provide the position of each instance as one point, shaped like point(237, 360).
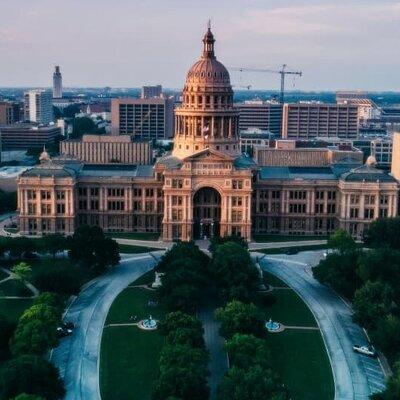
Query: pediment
point(208, 155)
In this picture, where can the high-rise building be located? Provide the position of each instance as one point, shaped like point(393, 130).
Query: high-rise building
point(311, 120)
point(39, 106)
point(150, 118)
point(57, 83)
point(259, 114)
point(151, 91)
point(9, 112)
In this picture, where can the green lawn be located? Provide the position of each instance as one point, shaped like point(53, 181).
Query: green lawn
point(301, 360)
point(128, 249)
point(299, 355)
point(129, 356)
point(13, 308)
point(285, 238)
point(135, 235)
point(272, 280)
point(14, 287)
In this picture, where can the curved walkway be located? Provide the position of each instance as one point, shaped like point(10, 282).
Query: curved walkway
point(77, 356)
point(356, 376)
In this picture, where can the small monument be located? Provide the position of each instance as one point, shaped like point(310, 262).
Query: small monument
point(157, 280)
point(273, 326)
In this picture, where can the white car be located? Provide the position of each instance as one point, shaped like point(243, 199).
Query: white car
point(365, 350)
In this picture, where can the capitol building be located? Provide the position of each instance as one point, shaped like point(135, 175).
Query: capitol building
point(206, 186)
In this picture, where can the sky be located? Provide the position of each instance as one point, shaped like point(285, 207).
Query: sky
point(338, 45)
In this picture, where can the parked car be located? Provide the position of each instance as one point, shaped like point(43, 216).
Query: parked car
point(291, 251)
point(62, 331)
point(365, 350)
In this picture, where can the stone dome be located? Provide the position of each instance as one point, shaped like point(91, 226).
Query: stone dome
point(208, 70)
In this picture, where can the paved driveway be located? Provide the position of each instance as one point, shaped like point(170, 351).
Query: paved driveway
point(77, 356)
point(356, 376)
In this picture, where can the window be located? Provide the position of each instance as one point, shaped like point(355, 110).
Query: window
point(137, 192)
point(369, 213)
point(82, 204)
point(31, 194)
point(116, 205)
point(94, 204)
point(137, 206)
point(319, 195)
point(60, 208)
point(236, 184)
point(82, 192)
point(116, 192)
point(237, 201)
point(237, 216)
point(298, 194)
point(354, 199)
point(45, 195)
point(176, 200)
point(383, 212)
point(369, 199)
point(177, 183)
point(46, 209)
point(149, 192)
point(176, 215)
point(60, 195)
point(353, 212)
point(384, 199)
point(319, 208)
point(331, 195)
point(297, 208)
point(331, 208)
point(94, 192)
point(31, 209)
point(276, 194)
point(149, 206)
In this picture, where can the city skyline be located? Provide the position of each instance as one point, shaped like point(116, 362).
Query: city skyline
point(128, 44)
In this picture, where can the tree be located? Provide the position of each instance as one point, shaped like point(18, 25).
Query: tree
point(8, 201)
point(53, 244)
point(183, 373)
point(381, 264)
point(238, 317)
point(90, 247)
point(22, 271)
point(247, 350)
point(83, 125)
point(6, 331)
point(253, 383)
point(234, 273)
point(182, 250)
point(36, 330)
point(339, 271)
point(384, 232)
point(342, 241)
point(218, 240)
point(60, 279)
point(386, 336)
point(50, 299)
point(182, 285)
point(181, 328)
point(392, 391)
point(32, 375)
point(371, 302)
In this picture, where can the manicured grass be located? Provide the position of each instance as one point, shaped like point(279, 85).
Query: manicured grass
point(272, 280)
point(301, 360)
point(13, 308)
point(135, 235)
point(299, 356)
point(14, 287)
point(289, 309)
point(129, 363)
point(129, 356)
point(3, 275)
point(133, 301)
point(285, 238)
point(145, 279)
point(282, 250)
point(128, 249)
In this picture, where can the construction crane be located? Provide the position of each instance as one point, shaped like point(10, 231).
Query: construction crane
point(283, 71)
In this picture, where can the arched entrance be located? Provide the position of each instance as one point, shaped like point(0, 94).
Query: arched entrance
point(206, 213)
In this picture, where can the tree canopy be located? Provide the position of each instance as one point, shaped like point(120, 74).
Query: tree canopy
point(384, 232)
point(32, 375)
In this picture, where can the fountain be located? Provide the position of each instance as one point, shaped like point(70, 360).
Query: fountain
point(273, 326)
point(148, 324)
